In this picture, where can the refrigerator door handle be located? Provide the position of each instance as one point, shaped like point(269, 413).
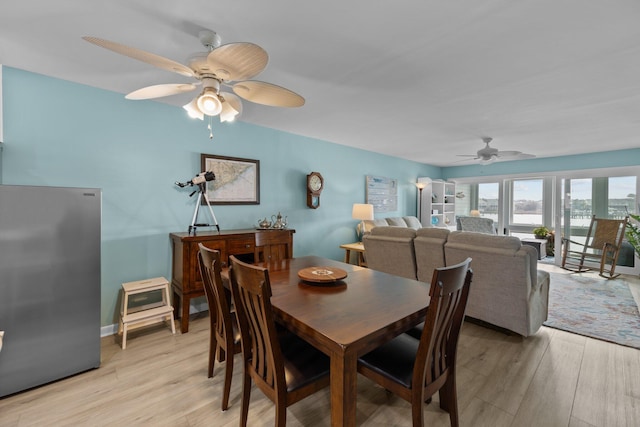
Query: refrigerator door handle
point(1, 336)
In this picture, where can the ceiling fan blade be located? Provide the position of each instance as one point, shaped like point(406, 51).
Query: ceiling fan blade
point(523, 156)
point(505, 154)
point(141, 55)
point(158, 91)
point(268, 94)
point(237, 61)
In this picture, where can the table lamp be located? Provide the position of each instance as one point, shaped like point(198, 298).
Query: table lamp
point(362, 212)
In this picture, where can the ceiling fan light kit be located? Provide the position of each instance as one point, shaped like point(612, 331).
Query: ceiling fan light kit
point(220, 65)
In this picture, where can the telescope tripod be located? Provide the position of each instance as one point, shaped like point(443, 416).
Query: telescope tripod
point(202, 192)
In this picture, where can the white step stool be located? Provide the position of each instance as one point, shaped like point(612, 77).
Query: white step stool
point(134, 317)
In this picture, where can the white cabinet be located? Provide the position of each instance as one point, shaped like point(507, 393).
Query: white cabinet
point(438, 204)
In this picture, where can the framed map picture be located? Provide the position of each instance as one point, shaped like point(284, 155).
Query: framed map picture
point(237, 181)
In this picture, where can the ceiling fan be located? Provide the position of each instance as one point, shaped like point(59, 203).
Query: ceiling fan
point(231, 65)
point(489, 155)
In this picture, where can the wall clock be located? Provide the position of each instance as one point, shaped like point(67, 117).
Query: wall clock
point(315, 184)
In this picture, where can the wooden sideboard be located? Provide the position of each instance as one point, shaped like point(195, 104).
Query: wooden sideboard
point(185, 276)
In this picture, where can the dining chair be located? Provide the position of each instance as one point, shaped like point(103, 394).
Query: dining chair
point(415, 369)
point(272, 245)
point(284, 367)
point(224, 334)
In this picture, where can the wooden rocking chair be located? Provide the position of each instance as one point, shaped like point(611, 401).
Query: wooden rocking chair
point(602, 246)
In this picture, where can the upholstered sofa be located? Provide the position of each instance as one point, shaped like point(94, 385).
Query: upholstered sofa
point(507, 290)
point(399, 221)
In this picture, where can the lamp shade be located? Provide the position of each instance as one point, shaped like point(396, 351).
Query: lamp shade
point(474, 212)
point(209, 103)
point(421, 185)
point(231, 107)
point(362, 211)
point(192, 109)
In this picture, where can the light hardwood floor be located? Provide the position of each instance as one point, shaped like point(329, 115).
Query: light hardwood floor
point(553, 378)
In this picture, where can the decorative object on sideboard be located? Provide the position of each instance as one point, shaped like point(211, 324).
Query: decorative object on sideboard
point(315, 185)
point(230, 65)
point(363, 212)
point(278, 222)
point(264, 224)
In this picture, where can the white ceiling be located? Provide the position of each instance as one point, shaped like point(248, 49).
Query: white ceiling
point(423, 80)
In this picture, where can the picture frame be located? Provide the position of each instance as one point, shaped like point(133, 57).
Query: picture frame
point(382, 193)
point(237, 180)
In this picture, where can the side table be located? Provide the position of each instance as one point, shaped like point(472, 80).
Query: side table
point(539, 244)
point(358, 248)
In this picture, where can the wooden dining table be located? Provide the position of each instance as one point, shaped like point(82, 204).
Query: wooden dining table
point(345, 319)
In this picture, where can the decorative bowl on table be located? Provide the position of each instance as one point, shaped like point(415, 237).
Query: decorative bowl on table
point(322, 274)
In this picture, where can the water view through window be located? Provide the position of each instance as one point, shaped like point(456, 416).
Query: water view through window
point(527, 202)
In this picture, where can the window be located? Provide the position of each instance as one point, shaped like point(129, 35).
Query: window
point(527, 202)
point(621, 196)
point(488, 200)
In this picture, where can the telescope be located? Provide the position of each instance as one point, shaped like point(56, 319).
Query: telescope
point(201, 181)
point(201, 178)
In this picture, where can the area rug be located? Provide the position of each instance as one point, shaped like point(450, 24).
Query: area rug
point(589, 305)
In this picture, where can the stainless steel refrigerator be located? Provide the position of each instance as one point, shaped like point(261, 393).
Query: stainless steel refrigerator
point(49, 284)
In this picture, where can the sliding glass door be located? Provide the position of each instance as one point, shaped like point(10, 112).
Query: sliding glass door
point(603, 196)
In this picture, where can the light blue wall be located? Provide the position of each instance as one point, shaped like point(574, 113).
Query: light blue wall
point(58, 133)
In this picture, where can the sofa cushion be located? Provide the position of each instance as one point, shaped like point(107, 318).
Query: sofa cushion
point(390, 250)
point(434, 233)
point(483, 240)
point(397, 221)
point(412, 222)
point(393, 231)
point(429, 249)
point(370, 223)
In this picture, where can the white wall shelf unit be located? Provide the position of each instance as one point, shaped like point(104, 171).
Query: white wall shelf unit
point(438, 204)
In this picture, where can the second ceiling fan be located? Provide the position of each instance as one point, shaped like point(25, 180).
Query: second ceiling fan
point(489, 154)
point(231, 65)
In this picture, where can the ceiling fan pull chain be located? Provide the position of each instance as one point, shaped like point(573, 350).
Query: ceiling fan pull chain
point(210, 128)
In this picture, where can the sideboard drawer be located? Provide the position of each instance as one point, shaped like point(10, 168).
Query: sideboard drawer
point(241, 246)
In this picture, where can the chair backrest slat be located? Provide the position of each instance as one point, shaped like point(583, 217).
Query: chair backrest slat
point(438, 345)
point(219, 306)
point(252, 295)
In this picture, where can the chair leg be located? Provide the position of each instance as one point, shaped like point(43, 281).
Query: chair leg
point(449, 400)
point(417, 411)
point(212, 353)
point(228, 374)
point(246, 395)
point(281, 412)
